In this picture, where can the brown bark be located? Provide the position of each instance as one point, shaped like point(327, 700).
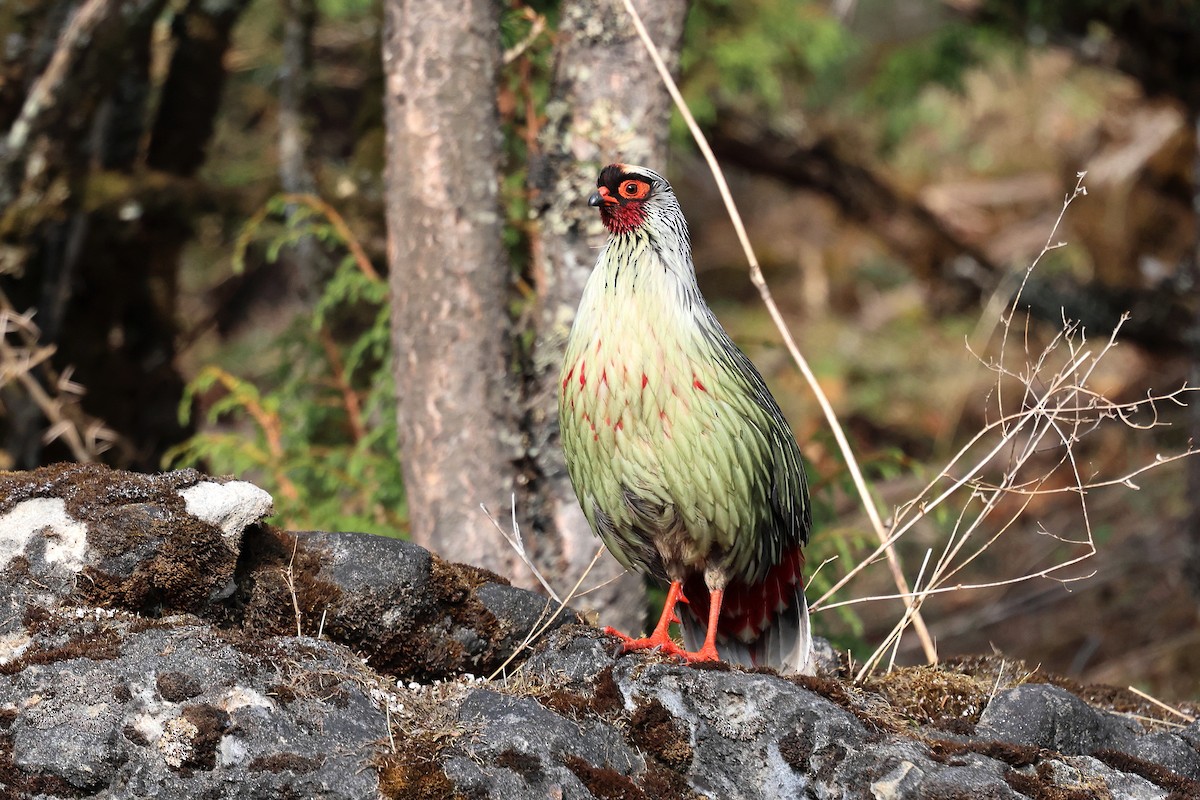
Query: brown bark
point(607, 104)
point(449, 278)
point(295, 174)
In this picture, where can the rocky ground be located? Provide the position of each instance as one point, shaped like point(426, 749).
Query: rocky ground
point(157, 640)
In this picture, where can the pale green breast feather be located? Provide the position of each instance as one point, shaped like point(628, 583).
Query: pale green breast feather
point(667, 426)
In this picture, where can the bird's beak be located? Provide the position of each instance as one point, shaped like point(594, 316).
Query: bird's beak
point(601, 197)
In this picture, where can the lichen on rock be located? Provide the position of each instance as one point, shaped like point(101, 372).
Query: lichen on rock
point(159, 639)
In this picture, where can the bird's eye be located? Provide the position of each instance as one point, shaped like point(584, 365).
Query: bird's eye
point(634, 190)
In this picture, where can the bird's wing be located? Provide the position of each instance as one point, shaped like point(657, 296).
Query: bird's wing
point(790, 518)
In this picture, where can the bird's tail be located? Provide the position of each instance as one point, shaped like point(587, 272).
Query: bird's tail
point(787, 643)
point(762, 624)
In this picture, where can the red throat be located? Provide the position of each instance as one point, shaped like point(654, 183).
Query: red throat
point(622, 218)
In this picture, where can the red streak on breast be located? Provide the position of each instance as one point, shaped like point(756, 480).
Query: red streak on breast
point(645, 380)
point(604, 376)
point(582, 376)
point(620, 425)
point(696, 382)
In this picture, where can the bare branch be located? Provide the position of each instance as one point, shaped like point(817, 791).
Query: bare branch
point(1025, 451)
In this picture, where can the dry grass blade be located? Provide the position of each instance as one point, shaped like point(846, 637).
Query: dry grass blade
point(517, 543)
point(1188, 718)
point(289, 579)
point(546, 619)
point(537, 631)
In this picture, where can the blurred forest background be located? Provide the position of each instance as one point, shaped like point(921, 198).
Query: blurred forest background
point(196, 199)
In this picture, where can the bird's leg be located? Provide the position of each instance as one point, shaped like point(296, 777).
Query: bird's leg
point(708, 652)
point(660, 638)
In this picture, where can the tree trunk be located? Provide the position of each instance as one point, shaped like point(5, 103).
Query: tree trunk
point(191, 95)
point(449, 279)
point(295, 174)
point(607, 104)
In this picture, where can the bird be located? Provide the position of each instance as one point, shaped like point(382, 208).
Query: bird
point(680, 457)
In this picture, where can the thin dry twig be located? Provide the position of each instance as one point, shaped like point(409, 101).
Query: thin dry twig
point(536, 632)
point(1151, 720)
point(518, 544)
point(904, 621)
point(756, 277)
point(27, 361)
point(1018, 454)
point(1188, 718)
point(289, 578)
point(47, 100)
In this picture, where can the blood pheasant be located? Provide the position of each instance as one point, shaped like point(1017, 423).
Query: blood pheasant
point(680, 457)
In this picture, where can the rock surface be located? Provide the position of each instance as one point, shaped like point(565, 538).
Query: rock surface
point(158, 640)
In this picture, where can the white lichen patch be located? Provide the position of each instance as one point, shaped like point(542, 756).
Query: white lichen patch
point(47, 518)
point(243, 697)
point(155, 713)
point(230, 506)
point(12, 645)
point(231, 751)
point(149, 725)
point(889, 786)
point(175, 744)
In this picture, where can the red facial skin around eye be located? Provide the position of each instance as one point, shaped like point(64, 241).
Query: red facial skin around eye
point(623, 210)
point(634, 190)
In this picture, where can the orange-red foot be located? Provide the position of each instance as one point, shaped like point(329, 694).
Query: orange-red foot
point(661, 640)
point(665, 644)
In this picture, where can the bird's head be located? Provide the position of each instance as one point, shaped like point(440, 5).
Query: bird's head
point(630, 197)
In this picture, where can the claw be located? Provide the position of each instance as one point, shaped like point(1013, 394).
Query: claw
point(660, 640)
point(614, 632)
point(663, 644)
